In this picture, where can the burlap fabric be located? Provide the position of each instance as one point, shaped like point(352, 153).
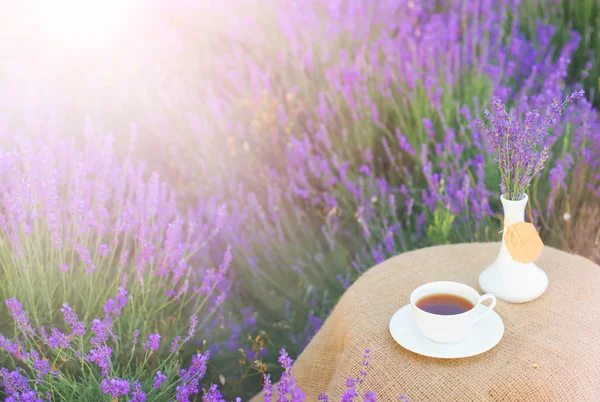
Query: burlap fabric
point(550, 350)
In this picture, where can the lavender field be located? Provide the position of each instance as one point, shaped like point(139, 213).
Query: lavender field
point(191, 191)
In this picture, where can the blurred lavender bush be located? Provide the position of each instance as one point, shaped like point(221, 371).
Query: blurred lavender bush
point(315, 139)
point(582, 16)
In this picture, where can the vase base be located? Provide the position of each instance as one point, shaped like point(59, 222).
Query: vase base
point(514, 283)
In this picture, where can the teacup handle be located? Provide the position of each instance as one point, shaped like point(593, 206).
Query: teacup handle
point(491, 306)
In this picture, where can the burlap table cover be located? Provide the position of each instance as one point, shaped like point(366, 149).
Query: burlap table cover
point(550, 350)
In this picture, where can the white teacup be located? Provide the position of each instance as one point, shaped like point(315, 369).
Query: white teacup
point(449, 328)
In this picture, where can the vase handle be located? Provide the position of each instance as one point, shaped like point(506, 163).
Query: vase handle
point(490, 308)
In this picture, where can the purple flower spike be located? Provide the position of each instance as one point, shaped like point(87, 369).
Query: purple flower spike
point(138, 395)
point(41, 366)
point(103, 250)
point(159, 379)
point(58, 340)
point(153, 342)
point(192, 329)
point(84, 255)
point(77, 327)
point(14, 349)
point(576, 95)
point(519, 143)
point(115, 306)
point(102, 330)
point(21, 319)
point(191, 376)
point(136, 335)
point(267, 388)
point(213, 394)
point(175, 344)
point(101, 356)
point(287, 383)
point(17, 387)
point(115, 387)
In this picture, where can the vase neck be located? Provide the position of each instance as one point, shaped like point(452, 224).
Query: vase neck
point(514, 211)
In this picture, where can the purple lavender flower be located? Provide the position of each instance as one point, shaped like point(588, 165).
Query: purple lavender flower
point(519, 147)
point(213, 394)
point(77, 327)
point(428, 126)
point(14, 349)
point(365, 364)
point(227, 257)
point(153, 342)
point(175, 344)
point(138, 395)
point(576, 95)
point(124, 257)
point(20, 317)
point(58, 340)
point(115, 306)
point(84, 255)
point(103, 250)
point(249, 318)
point(285, 360)
point(63, 267)
point(197, 369)
point(370, 397)
point(27, 396)
point(41, 366)
point(192, 329)
point(101, 356)
point(404, 144)
point(185, 390)
point(136, 335)
point(191, 376)
point(267, 388)
point(350, 393)
point(285, 382)
point(43, 333)
point(159, 378)
point(101, 330)
point(16, 386)
point(115, 387)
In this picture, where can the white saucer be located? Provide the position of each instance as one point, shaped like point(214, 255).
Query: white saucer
point(485, 335)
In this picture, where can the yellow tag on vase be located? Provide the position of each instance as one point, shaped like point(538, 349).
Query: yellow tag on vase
point(523, 242)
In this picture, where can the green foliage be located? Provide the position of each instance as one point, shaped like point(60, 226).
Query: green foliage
point(439, 230)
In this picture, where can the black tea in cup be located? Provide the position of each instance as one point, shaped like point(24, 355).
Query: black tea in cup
point(444, 304)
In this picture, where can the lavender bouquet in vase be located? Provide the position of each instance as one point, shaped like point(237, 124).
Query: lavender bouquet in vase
point(520, 151)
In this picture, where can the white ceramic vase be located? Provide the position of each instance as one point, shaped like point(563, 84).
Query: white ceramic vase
point(507, 279)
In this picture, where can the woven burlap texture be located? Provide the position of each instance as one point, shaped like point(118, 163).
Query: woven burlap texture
point(550, 350)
